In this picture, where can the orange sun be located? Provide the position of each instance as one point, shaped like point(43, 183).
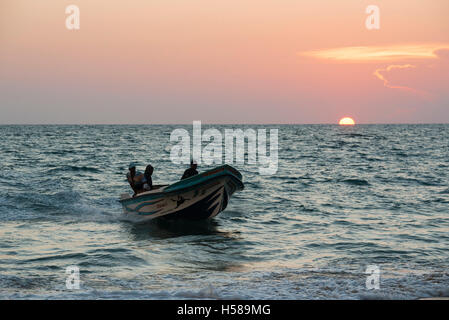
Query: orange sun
point(346, 121)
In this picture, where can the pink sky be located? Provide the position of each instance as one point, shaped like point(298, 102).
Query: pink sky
point(220, 61)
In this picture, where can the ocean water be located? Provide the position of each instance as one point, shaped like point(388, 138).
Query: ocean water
point(344, 198)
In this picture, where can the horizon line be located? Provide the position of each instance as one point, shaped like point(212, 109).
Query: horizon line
point(190, 123)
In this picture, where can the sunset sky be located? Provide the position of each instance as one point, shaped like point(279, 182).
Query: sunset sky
point(246, 61)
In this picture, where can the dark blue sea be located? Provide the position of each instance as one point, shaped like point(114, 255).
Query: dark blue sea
point(343, 199)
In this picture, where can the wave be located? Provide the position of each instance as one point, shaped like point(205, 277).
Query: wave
point(63, 204)
point(432, 182)
point(314, 283)
point(354, 135)
point(74, 169)
point(356, 182)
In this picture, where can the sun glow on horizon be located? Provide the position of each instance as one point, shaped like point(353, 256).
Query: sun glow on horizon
point(346, 121)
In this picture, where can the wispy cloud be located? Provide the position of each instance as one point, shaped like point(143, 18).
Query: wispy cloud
point(375, 54)
point(379, 73)
point(378, 53)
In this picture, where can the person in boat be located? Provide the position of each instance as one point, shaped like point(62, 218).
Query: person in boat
point(135, 178)
point(148, 180)
point(191, 171)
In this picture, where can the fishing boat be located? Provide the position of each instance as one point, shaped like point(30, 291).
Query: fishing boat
point(202, 196)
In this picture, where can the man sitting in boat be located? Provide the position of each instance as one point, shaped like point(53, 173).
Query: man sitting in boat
point(136, 179)
point(148, 180)
point(191, 171)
